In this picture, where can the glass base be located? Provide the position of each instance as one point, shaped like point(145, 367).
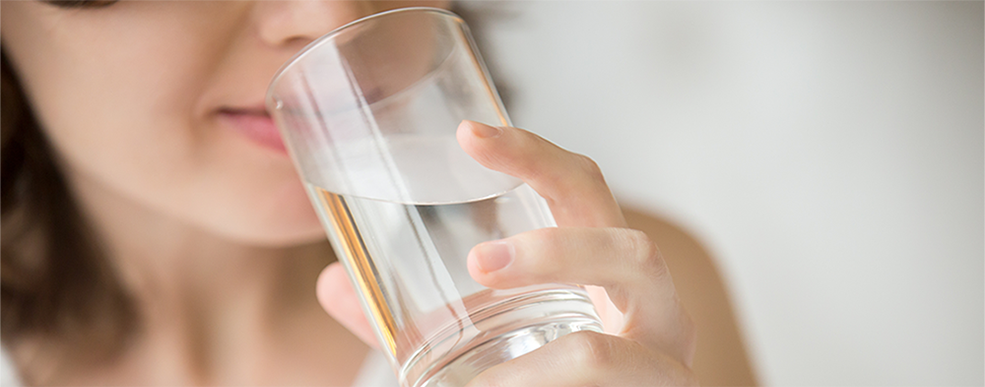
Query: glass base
point(499, 333)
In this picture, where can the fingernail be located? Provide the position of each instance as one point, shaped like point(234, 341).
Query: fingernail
point(485, 131)
point(494, 256)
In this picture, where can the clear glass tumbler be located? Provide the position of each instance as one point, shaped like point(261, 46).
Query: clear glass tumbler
point(369, 112)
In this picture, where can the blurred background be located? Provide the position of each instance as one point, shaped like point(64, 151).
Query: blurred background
point(828, 154)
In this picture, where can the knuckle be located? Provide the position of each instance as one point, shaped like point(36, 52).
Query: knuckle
point(530, 144)
point(592, 350)
point(590, 168)
point(646, 253)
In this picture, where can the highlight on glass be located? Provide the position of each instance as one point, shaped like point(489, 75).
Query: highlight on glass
point(368, 113)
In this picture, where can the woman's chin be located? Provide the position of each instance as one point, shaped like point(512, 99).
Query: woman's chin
point(290, 228)
point(277, 237)
point(284, 219)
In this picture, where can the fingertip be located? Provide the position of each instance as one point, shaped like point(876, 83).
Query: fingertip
point(479, 130)
point(494, 256)
point(337, 296)
point(472, 264)
point(331, 284)
point(464, 128)
point(476, 272)
point(463, 136)
point(488, 263)
point(471, 135)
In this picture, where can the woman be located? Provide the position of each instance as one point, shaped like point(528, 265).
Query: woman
point(150, 238)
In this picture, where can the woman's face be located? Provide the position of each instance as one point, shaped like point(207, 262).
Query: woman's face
point(161, 103)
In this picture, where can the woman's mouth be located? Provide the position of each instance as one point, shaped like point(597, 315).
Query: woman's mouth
point(255, 124)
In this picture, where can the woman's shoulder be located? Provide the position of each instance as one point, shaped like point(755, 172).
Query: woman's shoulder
point(721, 358)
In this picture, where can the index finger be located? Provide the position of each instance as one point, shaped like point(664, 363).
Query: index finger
point(571, 183)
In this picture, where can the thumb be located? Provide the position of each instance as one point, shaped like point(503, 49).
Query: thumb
point(336, 295)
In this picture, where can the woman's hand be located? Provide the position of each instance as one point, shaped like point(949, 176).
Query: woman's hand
point(652, 337)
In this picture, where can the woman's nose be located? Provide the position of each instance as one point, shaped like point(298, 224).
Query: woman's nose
point(298, 22)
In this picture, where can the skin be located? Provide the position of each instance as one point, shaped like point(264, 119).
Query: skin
point(217, 242)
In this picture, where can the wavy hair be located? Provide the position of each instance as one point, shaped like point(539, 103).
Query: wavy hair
point(54, 281)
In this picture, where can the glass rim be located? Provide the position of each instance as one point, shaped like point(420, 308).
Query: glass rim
point(334, 33)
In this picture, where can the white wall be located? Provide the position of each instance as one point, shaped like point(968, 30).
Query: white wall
point(829, 154)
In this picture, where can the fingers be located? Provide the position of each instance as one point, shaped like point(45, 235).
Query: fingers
point(587, 359)
point(623, 261)
point(610, 257)
point(571, 183)
point(336, 295)
point(592, 247)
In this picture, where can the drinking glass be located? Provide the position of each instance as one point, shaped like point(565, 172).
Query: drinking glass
point(368, 113)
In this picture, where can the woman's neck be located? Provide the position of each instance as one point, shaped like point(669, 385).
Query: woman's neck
point(207, 303)
point(169, 264)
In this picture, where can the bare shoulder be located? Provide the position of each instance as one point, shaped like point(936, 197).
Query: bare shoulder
point(721, 358)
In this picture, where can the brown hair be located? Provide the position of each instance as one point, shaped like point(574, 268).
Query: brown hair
point(53, 280)
point(55, 283)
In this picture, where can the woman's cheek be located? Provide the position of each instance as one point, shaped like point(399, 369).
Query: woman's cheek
point(252, 195)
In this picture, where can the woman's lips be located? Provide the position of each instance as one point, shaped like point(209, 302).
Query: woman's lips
point(256, 125)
